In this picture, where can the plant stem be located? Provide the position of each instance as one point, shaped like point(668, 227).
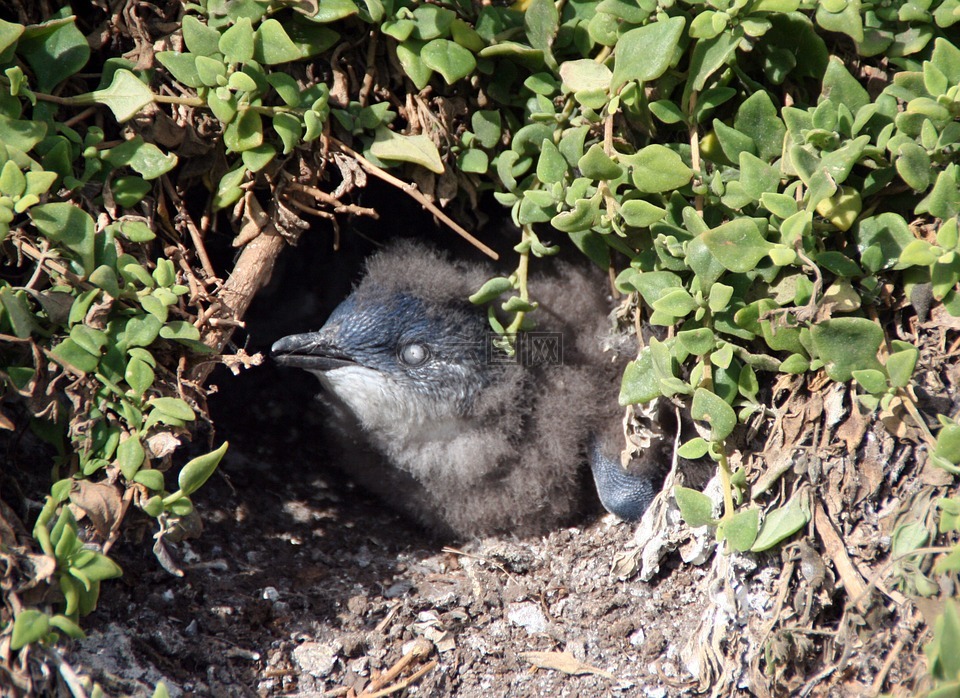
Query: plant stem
point(523, 267)
point(726, 482)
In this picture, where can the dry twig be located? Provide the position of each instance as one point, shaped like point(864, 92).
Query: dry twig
point(411, 190)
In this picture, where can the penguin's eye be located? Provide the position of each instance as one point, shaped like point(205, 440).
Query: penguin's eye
point(414, 354)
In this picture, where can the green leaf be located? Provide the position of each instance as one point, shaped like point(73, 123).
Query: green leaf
point(55, 50)
point(180, 330)
point(741, 530)
point(12, 181)
point(841, 209)
point(473, 160)
point(99, 568)
point(68, 226)
point(30, 625)
point(155, 307)
point(582, 217)
point(199, 38)
point(199, 470)
point(146, 159)
point(486, 126)
point(408, 53)
point(847, 20)
point(758, 119)
point(491, 290)
point(541, 20)
point(782, 523)
point(737, 245)
point(846, 345)
point(948, 444)
point(22, 135)
point(334, 10)
point(781, 205)
point(795, 364)
point(237, 42)
point(212, 72)
point(151, 479)
point(153, 506)
point(173, 407)
point(918, 253)
point(241, 82)
point(67, 626)
point(272, 45)
point(639, 384)
point(913, 166)
point(656, 168)
point(244, 133)
point(652, 285)
point(714, 410)
point(130, 455)
point(698, 342)
point(695, 448)
point(696, 508)
point(888, 232)
point(89, 339)
point(942, 651)
point(69, 352)
point(432, 21)
point(732, 142)
point(840, 87)
point(709, 55)
point(311, 38)
point(19, 314)
point(757, 177)
point(465, 35)
point(448, 58)
point(182, 66)
point(228, 189)
point(136, 231)
point(584, 74)
point(900, 366)
point(676, 303)
point(872, 380)
point(255, 159)
point(645, 53)
point(140, 331)
point(289, 128)
point(638, 213)
point(125, 96)
point(596, 164)
point(551, 167)
point(128, 191)
point(139, 376)
point(420, 150)
point(9, 34)
point(667, 111)
point(944, 200)
point(720, 295)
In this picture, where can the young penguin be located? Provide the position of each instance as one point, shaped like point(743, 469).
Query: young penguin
point(464, 438)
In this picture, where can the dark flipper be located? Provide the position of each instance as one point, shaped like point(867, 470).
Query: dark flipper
point(626, 494)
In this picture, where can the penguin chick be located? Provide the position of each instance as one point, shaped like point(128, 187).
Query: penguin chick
point(464, 438)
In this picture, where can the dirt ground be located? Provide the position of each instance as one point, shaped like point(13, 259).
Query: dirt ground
point(309, 589)
point(302, 585)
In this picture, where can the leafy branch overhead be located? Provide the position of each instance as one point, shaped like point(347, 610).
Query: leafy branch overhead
point(773, 181)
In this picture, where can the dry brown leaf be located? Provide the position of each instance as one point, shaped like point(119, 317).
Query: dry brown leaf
point(563, 661)
point(162, 444)
point(6, 422)
point(852, 430)
point(100, 501)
